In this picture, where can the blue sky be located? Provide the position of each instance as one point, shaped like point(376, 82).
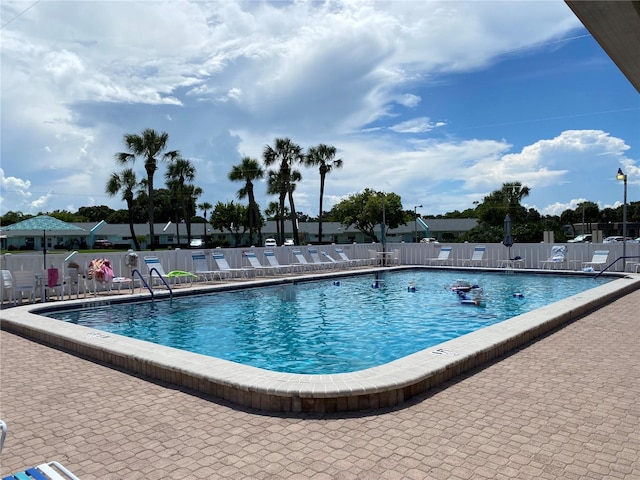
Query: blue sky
point(440, 102)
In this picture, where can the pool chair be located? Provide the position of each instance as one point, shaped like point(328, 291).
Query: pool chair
point(336, 263)
point(272, 260)
point(225, 267)
point(100, 274)
point(53, 283)
point(257, 266)
point(7, 286)
point(598, 260)
point(353, 262)
point(558, 257)
point(477, 258)
point(157, 274)
point(202, 270)
point(74, 279)
point(302, 261)
point(394, 257)
point(24, 281)
point(315, 258)
point(45, 471)
point(442, 258)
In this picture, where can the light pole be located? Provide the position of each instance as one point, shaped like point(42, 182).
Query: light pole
point(623, 176)
point(415, 221)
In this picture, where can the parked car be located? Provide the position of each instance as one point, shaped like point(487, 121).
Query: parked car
point(584, 238)
point(288, 242)
point(196, 243)
point(270, 242)
point(428, 240)
point(102, 244)
point(613, 239)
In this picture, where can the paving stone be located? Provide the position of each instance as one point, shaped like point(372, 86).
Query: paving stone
point(563, 407)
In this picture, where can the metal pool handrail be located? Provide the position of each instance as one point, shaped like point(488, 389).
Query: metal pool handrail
point(614, 262)
point(144, 282)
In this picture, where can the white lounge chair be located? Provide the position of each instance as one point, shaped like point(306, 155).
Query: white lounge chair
point(336, 263)
point(156, 273)
point(225, 267)
point(442, 258)
point(353, 262)
point(315, 257)
point(477, 258)
point(598, 260)
point(201, 268)
point(304, 264)
point(257, 266)
point(280, 267)
point(558, 257)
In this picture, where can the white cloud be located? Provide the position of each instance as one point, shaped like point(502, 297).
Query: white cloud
point(416, 125)
point(226, 78)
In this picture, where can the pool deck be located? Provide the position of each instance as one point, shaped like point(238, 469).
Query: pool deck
point(563, 407)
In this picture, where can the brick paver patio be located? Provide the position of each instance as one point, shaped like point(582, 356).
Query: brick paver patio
point(567, 406)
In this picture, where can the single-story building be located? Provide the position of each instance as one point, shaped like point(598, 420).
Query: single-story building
point(175, 235)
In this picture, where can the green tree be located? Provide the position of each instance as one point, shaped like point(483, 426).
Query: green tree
point(248, 171)
point(499, 203)
point(286, 154)
point(232, 217)
point(179, 176)
point(149, 146)
point(273, 213)
point(205, 207)
point(369, 209)
point(95, 213)
point(65, 216)
point(125, 183)
point(11, 217)
point(323, 157)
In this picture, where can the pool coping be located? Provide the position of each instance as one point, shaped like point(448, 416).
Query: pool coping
point(386, 385)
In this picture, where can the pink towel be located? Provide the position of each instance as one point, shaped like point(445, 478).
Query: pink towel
point(52, 277)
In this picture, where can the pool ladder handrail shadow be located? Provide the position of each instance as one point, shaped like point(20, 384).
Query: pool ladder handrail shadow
point(144, 282)
point(614, 262)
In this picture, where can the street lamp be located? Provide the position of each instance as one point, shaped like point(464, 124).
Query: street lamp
point(622, 176)
point(415, 221)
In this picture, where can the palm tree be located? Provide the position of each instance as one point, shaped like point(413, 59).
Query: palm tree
point(125, 182)
point(180, 174)
point(273, 211)
point(149, 145)
point(323, 157)
point(513, 193)
point(205, 207)
point(248, 171)
point(286, 154)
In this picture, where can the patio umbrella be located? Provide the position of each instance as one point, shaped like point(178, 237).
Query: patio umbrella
point(508, 240)
point(46, 224)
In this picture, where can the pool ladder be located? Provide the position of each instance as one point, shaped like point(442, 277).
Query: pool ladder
point(144, 282)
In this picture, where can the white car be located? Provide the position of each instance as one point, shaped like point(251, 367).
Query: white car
point(270, 242)
point(288, 242)
point(613, 239)
point(196, 243)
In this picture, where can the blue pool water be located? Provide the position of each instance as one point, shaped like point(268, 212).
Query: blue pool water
point(330, 326)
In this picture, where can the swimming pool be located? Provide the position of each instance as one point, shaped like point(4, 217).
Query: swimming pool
point(334, 325)
point(268, 391)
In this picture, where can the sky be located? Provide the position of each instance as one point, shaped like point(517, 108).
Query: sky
point(440, 102)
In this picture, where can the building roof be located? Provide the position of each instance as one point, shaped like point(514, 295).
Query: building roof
point(616, 27)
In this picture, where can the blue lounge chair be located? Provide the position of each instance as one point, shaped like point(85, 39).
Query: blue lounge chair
point(44, 471)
